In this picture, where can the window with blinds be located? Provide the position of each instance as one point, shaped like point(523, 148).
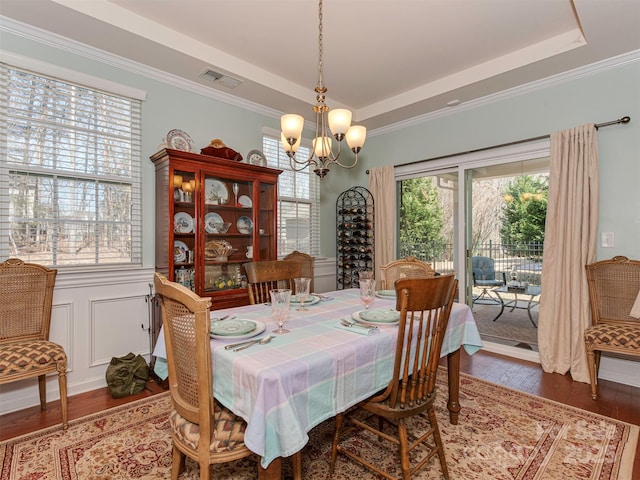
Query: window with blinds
point(70, 173)
point(298, 203)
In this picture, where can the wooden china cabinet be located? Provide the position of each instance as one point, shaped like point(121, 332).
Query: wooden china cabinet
point(213, 215)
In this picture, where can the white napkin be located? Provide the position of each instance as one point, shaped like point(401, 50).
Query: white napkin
point(635, 310)
point(362, 330)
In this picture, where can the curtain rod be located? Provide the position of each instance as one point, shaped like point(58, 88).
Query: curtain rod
point(625, 119)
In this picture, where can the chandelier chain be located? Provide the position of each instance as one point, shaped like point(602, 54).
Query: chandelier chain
point(320, 79)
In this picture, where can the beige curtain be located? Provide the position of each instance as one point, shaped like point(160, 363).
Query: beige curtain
point(569, 245)
point(382, 185)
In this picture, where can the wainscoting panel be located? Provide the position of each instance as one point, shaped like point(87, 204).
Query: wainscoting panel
point(118, 326)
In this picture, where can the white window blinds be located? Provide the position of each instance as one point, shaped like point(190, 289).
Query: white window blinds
point(70, 172)
point(299, 201)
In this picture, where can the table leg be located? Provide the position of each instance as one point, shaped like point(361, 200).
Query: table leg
point(272, 472)
point(529, 305)
point(453, 372)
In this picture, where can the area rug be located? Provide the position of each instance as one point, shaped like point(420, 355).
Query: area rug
point(502, 434)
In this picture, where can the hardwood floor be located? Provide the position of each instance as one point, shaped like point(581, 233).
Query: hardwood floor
point(617, 401)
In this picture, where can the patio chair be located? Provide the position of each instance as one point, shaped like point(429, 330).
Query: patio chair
point(614, 294)
point(306, 263)
point(266, 275)
point(486, 277)
point(424, 305)
point(408, 267)
point(26, 297)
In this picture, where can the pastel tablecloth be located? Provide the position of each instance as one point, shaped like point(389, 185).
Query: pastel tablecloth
point(285, 388)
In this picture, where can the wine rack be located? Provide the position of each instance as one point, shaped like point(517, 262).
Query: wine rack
point(355, 236)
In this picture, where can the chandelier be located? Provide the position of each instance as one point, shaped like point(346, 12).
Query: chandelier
point(337, 121)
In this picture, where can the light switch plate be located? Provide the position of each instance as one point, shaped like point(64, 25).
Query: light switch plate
point(607, 240)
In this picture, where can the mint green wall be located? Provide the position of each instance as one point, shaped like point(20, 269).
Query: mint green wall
point(595, 97)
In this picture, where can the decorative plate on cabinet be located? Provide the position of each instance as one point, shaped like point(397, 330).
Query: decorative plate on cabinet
point(182, 223)
point(180, 250)
point(210, 220)
point(245, 201)
point(256, 157)
point(179, 140)
point(215, 192)
point(245, 225)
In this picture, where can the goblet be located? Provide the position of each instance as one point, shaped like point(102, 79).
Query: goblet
point(302, 291)
point(367, 292)
point(280, 301)
point(236, 189)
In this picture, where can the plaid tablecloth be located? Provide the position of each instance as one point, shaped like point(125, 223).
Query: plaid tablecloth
point(285, 388)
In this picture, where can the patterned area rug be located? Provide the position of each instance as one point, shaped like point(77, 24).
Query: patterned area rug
point(502, 434)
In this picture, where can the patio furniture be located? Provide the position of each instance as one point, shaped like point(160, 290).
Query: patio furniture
point(530, 291)
point(425, 305)
point(614, 287)
point(486, 277)
point(408, 267)
point(26, 297)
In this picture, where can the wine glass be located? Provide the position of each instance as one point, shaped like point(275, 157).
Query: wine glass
point(302, 291)
point(236, 189)
point(367, 292)
point(280, 301)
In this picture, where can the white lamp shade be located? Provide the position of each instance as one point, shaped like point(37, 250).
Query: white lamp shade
point(339, 121)
point(356, 136)
point(287, 146)
point(186, 187)
point(291, 125)
point(177, 181)
point(318, 146)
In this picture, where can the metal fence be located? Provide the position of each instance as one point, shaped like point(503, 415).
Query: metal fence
point(525, 258)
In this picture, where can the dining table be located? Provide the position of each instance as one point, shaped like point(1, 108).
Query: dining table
point(286, 387)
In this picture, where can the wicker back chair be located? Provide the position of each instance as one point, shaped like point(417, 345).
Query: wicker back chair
point(425, 305)
point(26, 298)
point(201, 428)
point(266, 275)
point(614, 287)
point(409, 267)
point(306, 263)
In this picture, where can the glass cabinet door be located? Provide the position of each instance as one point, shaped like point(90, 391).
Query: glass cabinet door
point(266, 235)
point(227, 221)
point(183, 234)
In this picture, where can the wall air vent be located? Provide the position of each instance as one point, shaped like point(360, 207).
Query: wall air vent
point(220, 78)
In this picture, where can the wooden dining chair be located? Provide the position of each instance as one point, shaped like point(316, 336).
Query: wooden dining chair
point(306, 263)
point(266, 275)
point(196, 415)
point(424, 305)
point(26, 298)
point(408, 267)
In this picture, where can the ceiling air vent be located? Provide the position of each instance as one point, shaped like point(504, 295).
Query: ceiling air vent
point(220, 78)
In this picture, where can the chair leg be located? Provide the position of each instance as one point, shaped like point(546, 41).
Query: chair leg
point(205, 470)
point(336, 441)
point(438, 441)
point(177, 463)
point(42, 387)
point(62, 385)
point(404, 450)
point(593, 373)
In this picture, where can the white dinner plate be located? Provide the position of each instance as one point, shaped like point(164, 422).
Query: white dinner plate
point(215, 190)
point(183, 223)
point(180, 250)
point(260, 327)
point(377, 316)
point(311, 300)
point(210, 219)
point(179, 140)
point(245, 201)
point(386, 294)
point(245, 225)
